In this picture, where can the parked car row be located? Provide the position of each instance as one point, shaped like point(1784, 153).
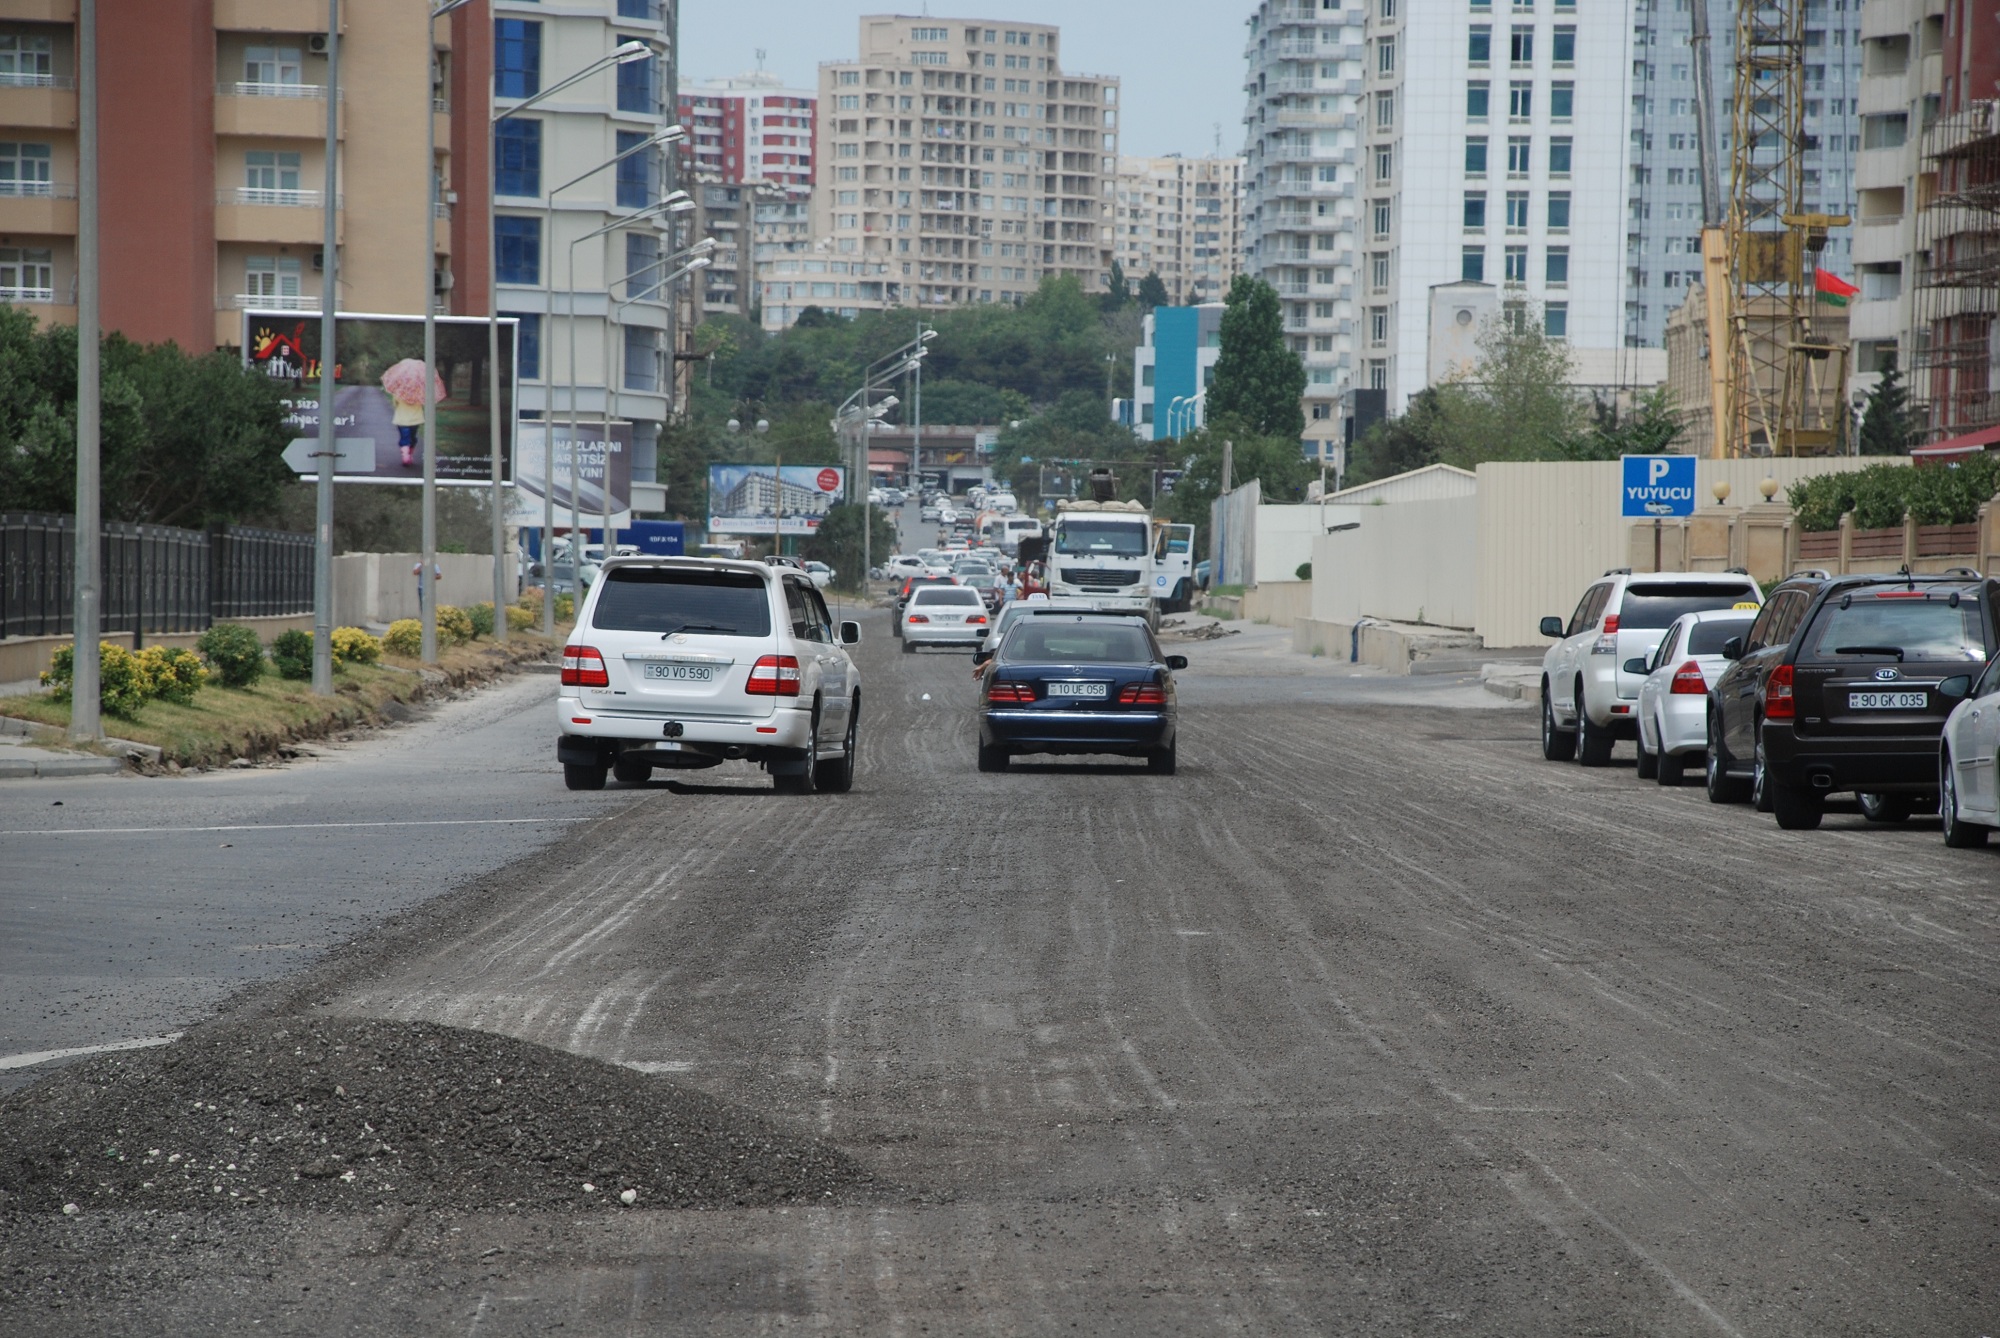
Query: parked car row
point(1883, 687)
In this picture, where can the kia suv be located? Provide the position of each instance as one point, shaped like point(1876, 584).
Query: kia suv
point(1843, 684)
point(685, 663)
point(1590, 689)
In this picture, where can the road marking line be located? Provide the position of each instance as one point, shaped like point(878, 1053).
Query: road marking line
point(275, 826)
point(28, 1061)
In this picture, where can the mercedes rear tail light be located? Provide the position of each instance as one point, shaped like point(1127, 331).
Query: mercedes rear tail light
point(1778, 703)
point(1015, 693)
point(978, 618)
point(1689, 681)
point(583, 667)
point(774, 676)
point(1142, 694)
point(918, 618)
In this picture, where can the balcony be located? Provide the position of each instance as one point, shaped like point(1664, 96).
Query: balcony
point(273, 111)
point(290, 217)
point(42, 207)
point(40, 101)
point(261, 302)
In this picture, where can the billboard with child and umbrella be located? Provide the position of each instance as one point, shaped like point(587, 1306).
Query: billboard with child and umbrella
point(379, 395)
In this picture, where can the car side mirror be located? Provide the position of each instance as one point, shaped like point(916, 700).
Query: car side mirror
point(1552, 627)
point(1956, 687)
point(1176, 661)
point(1732, 649)
point(982, 655)
point(850, 634)
point(1636, 665)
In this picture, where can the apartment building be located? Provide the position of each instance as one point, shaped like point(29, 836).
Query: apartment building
point(1928, 218)
point(1496, 150)
point(749, 129)
point(1663, 196)
point(213, 130)
point(1302, 183)
point(1180, 218)
point(958, 153)
point(595, 322)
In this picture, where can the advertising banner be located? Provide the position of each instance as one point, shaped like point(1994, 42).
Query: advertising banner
point(379, 398)
point(744, 499)
point(532, 473)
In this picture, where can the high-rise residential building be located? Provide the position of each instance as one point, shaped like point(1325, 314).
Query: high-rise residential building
point(1928, 223)
point(211, 177)
point(1302, 184)
point(1663, 186)
point(959, 154)
point(1496, 151)
point(593, 301)
point(749, 129)
point(1180, 218)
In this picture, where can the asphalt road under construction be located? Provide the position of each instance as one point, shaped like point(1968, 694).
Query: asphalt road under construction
point(1368, 1021)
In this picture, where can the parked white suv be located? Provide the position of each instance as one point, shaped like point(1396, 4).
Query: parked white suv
point(684, 663)
point(1590, 697)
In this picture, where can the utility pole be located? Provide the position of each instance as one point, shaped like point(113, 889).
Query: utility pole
point(329, 302)
point(85, 723)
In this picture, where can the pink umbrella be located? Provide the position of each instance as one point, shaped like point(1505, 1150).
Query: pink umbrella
point(405, 381)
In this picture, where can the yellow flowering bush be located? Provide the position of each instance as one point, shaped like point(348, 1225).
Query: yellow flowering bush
point(405, 637)
point(353, 645)
point(172, 674)
point(454, 625)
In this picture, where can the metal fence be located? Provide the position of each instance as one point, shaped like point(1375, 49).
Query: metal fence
point(155, 578)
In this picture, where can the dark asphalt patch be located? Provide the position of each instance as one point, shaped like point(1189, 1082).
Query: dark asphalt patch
point(355, 1113)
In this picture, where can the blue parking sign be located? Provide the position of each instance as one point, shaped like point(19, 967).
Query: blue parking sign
point(1657, 486)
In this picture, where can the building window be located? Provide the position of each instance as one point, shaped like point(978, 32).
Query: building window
point(638, 176)
point(1521, 46)
point(25, 169)
point(27, 274)
point(1472, 264)
point(639, 9)
point(1559, 211)
point(1378, 326)
point(1555, 320)
point(272, 279)
point(272, 66)
point(1378, 373)
point(517, 249)
point(638, 84)
point(1385, 111)
point(1520, 100)
point(1479, 46)
point(1475, 157)
point(1559, 151)
point(528, 343)
point(642, 358)
point(1385, 56)
point(1518, 156)
point(1517, 211)
point(517, 58)
point(517, 157)
point(1562, 101)
point(1556, 270)
point(270, 176)
point(26, 61)
point(643, 271)
point(1378, 271)
point(1564, 50)
point(1381, 219)
point(1516, 264)
point(1475, 211)
point(1385, 161)
point(1478, 97)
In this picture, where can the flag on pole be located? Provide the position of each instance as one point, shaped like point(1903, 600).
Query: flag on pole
point(1832, 289)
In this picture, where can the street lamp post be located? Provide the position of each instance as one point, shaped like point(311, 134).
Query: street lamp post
point(85, 722)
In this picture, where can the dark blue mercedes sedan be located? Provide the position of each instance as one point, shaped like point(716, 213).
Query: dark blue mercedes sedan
point(1065, 682)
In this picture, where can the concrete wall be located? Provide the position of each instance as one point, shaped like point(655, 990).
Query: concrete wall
point(1279, 602)
point(1232, 536)
point(22, 659)
point(382, 587)
point(1413, 562)
point(1285, 536)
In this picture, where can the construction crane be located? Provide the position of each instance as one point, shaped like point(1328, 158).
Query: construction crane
point(1770, 370)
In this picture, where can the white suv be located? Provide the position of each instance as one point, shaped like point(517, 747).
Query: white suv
point(1589, 699)
point(684, 663)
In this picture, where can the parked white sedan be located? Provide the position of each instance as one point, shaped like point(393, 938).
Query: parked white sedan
point(1969, 764)
point(1673, 701)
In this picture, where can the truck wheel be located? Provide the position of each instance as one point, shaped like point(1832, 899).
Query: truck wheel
point(584, 775)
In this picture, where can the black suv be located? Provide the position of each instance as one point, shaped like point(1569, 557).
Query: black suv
point(1843, 683)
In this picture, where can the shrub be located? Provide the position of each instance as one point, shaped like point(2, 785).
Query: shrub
point(234, 654)
point(1880, 495)
point(565, 608)
point(454, 625)
point(352, 645)
point(1304, 572)
point(520, 619)
point(405, 637)
point(173, 674)
point(123, 686)
point(482, 618)
point(292, 653)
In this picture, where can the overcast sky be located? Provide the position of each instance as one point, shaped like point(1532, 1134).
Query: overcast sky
point(1181, 61)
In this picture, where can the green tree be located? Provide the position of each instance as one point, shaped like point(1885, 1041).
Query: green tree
point(837, 542)
point(1259, 381)
point(1652, 427)
point(1888, 425)
point(1117, 292)
point(1153, 292)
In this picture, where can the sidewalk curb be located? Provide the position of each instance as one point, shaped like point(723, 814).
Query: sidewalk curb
point(50, 768)
point(1515, 682)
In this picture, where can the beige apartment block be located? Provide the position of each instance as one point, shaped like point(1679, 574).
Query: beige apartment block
point(1180, 218)
point(961, 156)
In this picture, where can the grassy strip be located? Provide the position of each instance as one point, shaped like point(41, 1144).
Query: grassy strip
point(223, 723)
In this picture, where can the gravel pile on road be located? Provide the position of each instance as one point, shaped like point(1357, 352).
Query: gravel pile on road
point(348, 1112)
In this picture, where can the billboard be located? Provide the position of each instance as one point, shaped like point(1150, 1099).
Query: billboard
point(744, 499)
point(531, 475)
point(378, 379)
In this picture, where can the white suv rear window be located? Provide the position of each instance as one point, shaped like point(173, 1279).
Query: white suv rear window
point(671, 599)
point(1658, 603)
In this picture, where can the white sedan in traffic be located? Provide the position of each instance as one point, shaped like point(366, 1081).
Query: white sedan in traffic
point(1673, 701)
point(1969, 764)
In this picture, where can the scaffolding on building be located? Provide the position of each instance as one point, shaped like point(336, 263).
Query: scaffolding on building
point(1956, 362)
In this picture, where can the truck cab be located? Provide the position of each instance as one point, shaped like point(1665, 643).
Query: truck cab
point(1103, 550)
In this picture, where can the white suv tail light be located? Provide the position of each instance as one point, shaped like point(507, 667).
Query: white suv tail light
point(583, 667)
point(774, 676)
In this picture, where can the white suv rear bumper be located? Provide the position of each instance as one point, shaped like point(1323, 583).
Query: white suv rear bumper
point(790, 726)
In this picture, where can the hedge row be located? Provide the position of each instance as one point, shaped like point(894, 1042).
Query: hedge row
point(1880, 494)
